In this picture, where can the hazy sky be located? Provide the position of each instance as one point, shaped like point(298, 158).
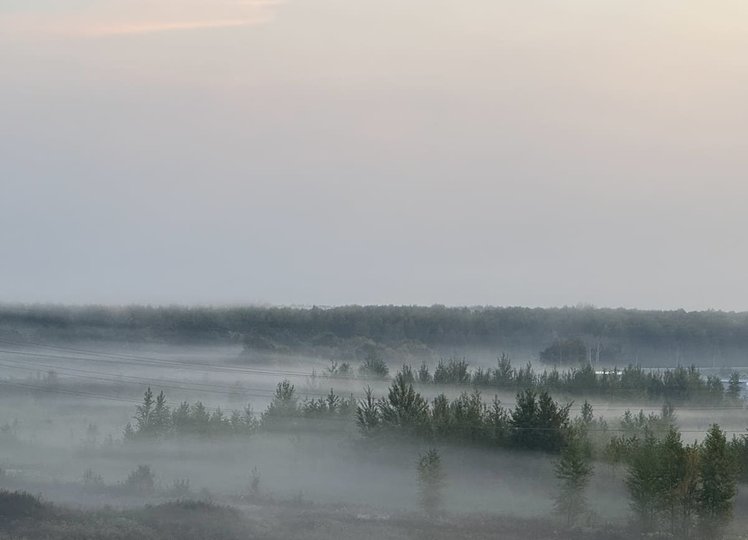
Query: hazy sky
point(524, 152)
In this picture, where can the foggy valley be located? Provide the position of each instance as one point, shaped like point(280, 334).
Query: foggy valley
point(271, 441)
point(392, 269)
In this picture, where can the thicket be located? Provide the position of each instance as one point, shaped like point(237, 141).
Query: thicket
point(681, 489)
point(155, 419)
point(537, 422)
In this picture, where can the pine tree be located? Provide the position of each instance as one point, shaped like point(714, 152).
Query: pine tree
point(441, 417)
point(504, 375)
point(408, 374)
point(467, 413)
point(332, 401)
point(688, 491)
point(161, 416)
point(672, 464)
point(734, 387)
point(199, 418)
point(249, 422)
point(587, 414)
point(424, 376)
point(574, 470)
point(404, 408)
point(368, 417)
point(538, 422)
point(283, 408)
point(144, 415)
point(497, 422)
point(717, 475)
point(181, 420)
point(643, 482)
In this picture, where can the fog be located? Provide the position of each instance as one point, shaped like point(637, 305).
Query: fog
point(64, 408)
point(222, 222)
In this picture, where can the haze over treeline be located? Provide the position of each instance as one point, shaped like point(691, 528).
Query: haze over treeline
point(611, 336)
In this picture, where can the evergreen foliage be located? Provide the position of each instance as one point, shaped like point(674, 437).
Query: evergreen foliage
point(675, 488)
point(538, 422)
point(374, 365)
point(573, 470)
point(154, 420)
point(717, 472)
point(679, 385)
point(625, 334)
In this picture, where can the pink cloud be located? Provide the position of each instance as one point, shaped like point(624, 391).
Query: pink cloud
point(152, 27)
point(134, 17)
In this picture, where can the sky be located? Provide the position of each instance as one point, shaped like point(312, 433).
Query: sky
point(299, 152)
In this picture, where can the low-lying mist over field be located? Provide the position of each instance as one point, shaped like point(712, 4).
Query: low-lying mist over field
point(268, 432)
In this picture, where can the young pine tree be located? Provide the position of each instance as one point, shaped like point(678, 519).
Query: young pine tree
point(424, 376)
point(144, 414)
point(404, 409)
point(672, 463)
point(161, 416)
point(643, 481)
point(573, 470)
point(717, 475)
point(283, 408)
point(734, 387)
point(368, 417)
point(688, 491)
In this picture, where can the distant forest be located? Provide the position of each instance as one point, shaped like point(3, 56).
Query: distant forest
point(568, 335)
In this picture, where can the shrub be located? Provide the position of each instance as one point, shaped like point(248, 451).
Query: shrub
point(142, 480)
point(19, 505)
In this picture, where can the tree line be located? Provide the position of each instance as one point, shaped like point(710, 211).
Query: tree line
point(677, 385)
point(155, 419)
point(619, 335)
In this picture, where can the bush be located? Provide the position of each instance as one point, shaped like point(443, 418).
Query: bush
point(19, 505)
